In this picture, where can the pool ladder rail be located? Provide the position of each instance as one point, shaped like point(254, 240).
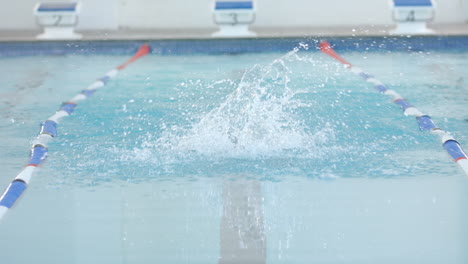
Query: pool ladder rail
point(48, 131)
point(451, 146)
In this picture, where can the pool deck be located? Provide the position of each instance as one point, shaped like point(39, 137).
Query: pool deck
point(157, 34)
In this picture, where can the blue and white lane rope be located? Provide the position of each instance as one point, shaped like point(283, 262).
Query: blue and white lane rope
point(49, 130)
point(451, 146)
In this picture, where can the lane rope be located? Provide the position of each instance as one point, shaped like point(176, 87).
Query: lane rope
point(451, 146)
point(48, 131)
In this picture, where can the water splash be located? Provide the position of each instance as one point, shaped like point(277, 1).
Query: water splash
point(258, 119)
point(289, 116)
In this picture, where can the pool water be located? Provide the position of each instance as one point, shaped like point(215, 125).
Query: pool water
point(237, 158)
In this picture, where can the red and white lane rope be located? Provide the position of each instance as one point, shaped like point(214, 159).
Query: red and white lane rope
point(49, 130)
point(452, 146)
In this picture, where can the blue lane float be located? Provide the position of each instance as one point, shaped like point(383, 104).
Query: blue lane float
point(68, 107)
point(104, 79)
point(451, 146)
point(454, 149)
point(38, 154)
point(88, 93)
point(426, 123)
point(381, 88)
point(49, 127)
point(12, 193)
point(403, 104)
point(48, 131)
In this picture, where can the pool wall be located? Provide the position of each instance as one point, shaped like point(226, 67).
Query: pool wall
point(235, 46)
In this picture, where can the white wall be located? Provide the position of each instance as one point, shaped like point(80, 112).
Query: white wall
point(465, 9)
point(278, 13)
point(17, 14)
point(165, 14)
point(100, 14)
point(193, 14)
point(95, 14)
point(323, 13)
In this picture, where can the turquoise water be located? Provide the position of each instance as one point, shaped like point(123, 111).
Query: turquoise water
point(162, 164)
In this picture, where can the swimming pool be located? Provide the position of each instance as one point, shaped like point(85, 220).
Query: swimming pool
point(229, 151)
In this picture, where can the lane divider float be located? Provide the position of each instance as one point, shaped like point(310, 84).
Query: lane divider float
point(451, 146)
point(48, 131)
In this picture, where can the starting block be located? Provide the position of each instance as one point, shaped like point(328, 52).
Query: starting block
point(412, 16)
point(58, 19)
point(234, 18)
